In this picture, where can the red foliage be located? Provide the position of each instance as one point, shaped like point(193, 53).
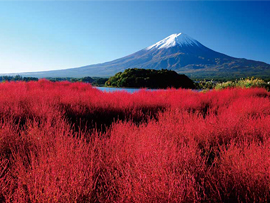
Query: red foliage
point(69, 142)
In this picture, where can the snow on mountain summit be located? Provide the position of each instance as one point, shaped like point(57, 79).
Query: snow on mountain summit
point(180, 39)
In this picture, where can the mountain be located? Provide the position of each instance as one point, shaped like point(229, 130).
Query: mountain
point(177, 52)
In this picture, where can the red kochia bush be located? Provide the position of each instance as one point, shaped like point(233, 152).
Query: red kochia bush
point(69, 142)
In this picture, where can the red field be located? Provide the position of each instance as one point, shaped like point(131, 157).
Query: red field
point(68, 142)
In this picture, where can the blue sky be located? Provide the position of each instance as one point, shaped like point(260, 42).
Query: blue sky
point(40, 35)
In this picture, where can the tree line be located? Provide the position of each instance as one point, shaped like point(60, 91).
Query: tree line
point(95, 81)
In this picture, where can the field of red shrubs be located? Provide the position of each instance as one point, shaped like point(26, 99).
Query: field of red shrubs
point(69, 142)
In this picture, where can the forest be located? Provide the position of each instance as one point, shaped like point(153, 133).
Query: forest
point(150, 78)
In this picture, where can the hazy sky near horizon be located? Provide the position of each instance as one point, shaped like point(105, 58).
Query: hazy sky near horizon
point(40, 35)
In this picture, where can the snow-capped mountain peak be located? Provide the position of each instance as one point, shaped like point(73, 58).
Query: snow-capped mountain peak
point(180, 39)
point(177, 52)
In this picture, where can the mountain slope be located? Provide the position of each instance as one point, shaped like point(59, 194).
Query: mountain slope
point(177, 52)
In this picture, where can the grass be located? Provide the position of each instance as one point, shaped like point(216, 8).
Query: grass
point(69, 142)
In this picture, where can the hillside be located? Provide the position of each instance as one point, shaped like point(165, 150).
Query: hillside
point(149, 78)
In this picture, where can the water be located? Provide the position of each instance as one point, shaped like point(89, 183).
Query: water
point(114, 89)
point(130, 90)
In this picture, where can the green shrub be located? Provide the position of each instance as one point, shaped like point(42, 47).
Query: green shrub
point(243, 83)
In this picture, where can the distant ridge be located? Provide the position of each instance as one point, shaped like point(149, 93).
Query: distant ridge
point(177, 52)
